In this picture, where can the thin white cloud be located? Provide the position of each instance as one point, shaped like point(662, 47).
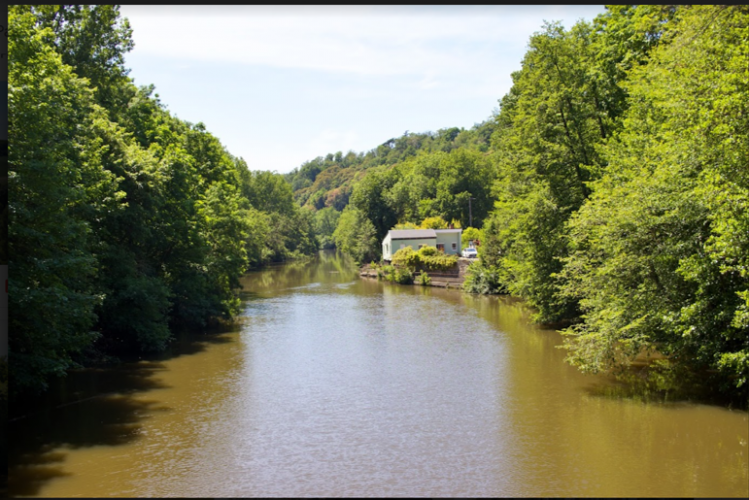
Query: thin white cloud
point(376, 70)
point(361, 40)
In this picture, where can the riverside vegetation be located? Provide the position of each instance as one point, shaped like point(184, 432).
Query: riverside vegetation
point(406, 262)
point(610, 190)
point(118, 206)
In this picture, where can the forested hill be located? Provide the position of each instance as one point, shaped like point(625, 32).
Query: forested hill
point(328, 181)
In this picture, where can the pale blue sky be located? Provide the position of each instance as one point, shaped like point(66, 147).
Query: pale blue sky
point(279, 85)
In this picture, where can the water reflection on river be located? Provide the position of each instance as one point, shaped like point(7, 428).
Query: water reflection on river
point(332, 385)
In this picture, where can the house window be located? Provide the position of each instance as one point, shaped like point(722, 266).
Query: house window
point(421, 246)
point(455, 246)
point(441, 247)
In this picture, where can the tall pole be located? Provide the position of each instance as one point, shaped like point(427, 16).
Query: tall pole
point(470, 212)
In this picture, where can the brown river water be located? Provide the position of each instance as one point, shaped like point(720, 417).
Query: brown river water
point(332, 385)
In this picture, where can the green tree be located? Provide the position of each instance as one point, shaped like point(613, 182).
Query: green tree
point(660, 251)
point(565, 104)
point(226, 229)
point(326, 221)
point(129, 245)
point(269, 192)
point(356, 236)
point(51, 295)
point(433, 223)
point(93, 40)
point(464, 186)
point(471, 234)
point(369, 199)
point(258, 236)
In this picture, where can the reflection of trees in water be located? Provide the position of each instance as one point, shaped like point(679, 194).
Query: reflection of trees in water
point(327, 267)
point(97, 410)
point(663, 382)
point(652, 380)
point(92, 407)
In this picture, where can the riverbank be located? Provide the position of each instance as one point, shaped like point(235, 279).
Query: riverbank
point(453, 278)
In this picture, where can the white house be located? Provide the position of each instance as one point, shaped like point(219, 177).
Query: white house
point(446, 240)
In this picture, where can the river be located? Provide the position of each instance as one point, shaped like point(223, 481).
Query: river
point(332, 385)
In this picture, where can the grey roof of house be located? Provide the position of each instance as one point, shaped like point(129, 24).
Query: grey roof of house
point(448, 230)
point(411, 234)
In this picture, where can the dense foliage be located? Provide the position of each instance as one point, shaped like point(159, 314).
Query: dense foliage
point(356, 236)
point(566, 102)
point(660, 253)
point(426, 258)
point(401, 275)
point(482, 279)
point(117, 206)
point(424, 279)
point(329, 181)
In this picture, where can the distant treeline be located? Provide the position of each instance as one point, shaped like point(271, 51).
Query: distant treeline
point(611, 188)
point(125, 222)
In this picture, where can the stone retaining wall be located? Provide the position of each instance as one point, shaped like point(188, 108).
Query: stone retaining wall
point(443, 279)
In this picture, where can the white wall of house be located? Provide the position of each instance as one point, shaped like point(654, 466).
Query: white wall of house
point(390, 246)
point(387, 253)
point(450, 238)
